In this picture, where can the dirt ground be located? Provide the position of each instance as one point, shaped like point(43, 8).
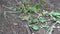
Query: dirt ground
point(16, 26)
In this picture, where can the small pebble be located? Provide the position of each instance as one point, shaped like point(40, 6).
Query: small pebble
point(58, 26)
point(44, 10)
point(33, 33)
point(15, 23)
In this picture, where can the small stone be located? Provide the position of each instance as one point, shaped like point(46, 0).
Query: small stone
point(33, 33)
point(44, 10)
point(15, 23)
point(58, 26)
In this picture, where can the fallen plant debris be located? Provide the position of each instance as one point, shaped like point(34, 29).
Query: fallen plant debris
point(34, 27)
point(29, 10)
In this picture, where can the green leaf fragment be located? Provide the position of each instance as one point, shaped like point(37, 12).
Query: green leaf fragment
point(41, 19)
point(35, 20)
point(24, 17)
point(44, 26)
point(30, 18)
point(32, 8)
point(32, 21)
point(55, 13)
point(5, 14)
point(14, 9)
point(55, 16)
point(34, 27)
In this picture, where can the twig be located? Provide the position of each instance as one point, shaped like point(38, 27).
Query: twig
point(28, 30)
point(17, 2)
point(10, 8)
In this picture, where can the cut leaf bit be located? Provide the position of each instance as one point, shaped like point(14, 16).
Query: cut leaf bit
point(34, 9)
point(41, 19)
point(55, 16)
point(34, 27)
point(35, 20)
point(44, 26)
